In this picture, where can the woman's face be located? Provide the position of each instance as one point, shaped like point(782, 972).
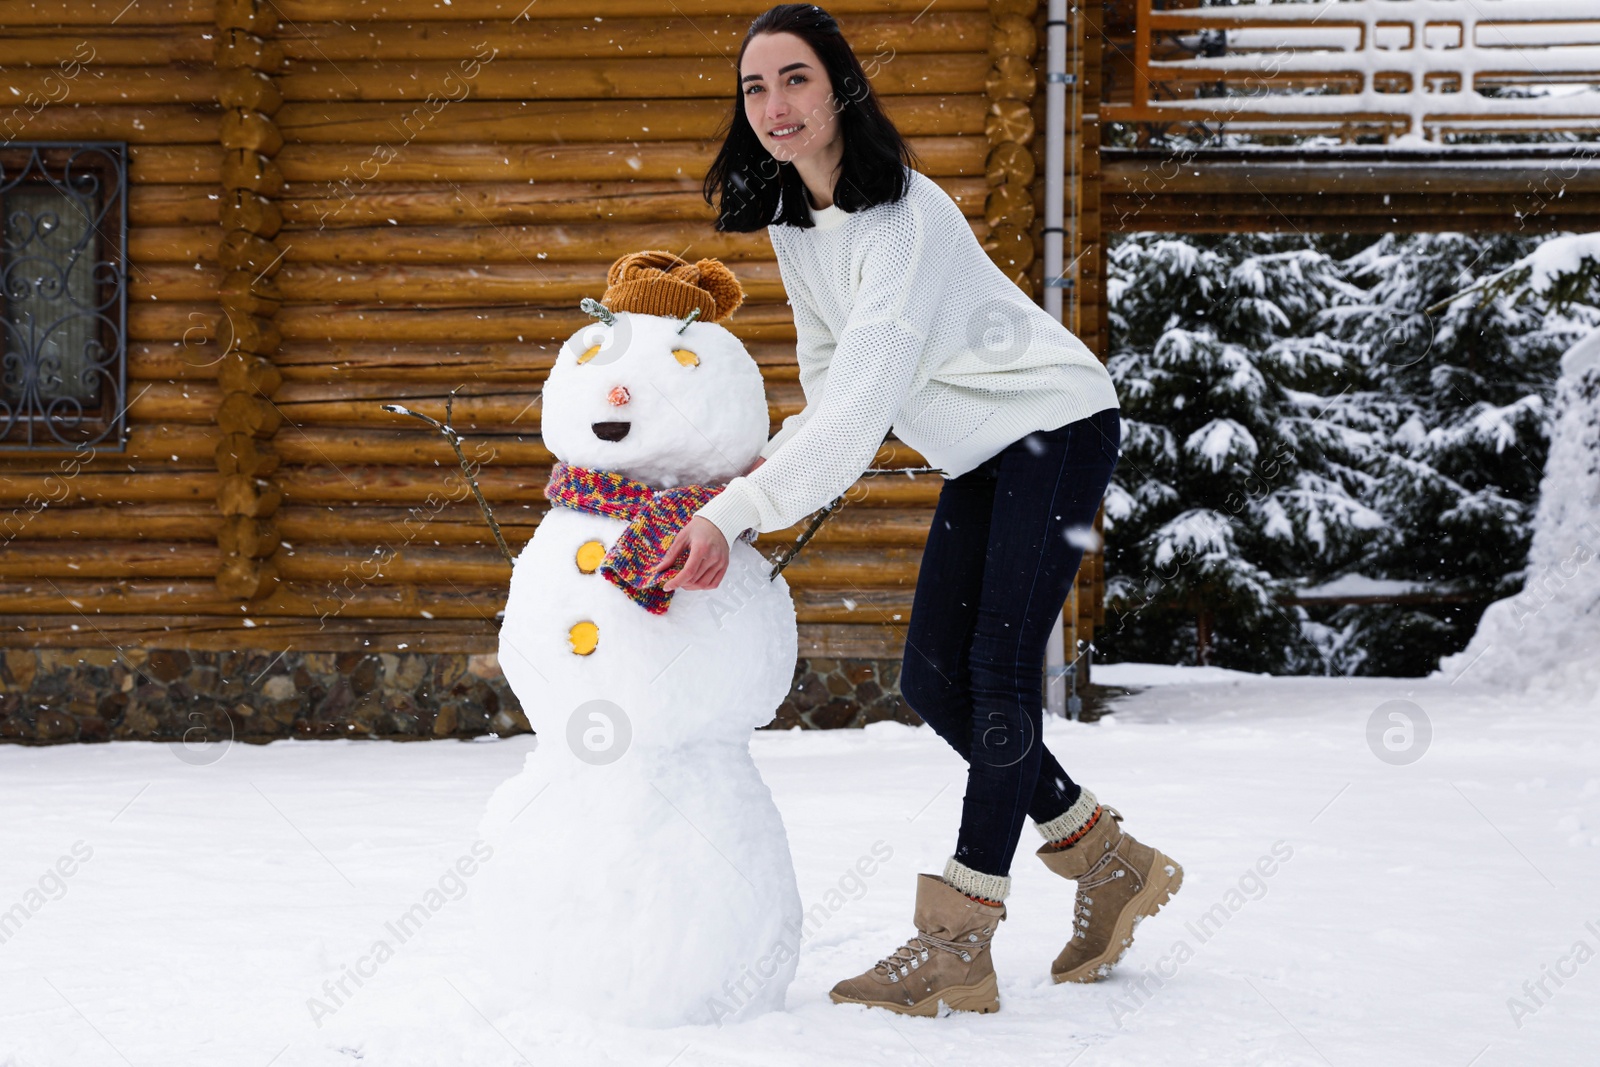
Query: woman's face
point(785, 86)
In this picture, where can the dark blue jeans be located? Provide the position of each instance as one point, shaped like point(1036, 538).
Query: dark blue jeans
point(998, 566)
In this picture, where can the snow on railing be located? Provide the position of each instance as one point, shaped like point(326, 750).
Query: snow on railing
point(1412, 69)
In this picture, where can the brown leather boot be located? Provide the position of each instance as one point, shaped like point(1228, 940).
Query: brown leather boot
point(948, 961)
point(1120, 881)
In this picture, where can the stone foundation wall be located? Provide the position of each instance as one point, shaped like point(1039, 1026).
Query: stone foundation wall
point(75, 694)
point(831, 693)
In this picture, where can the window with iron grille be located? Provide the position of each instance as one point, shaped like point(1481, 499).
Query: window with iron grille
point(63, 295)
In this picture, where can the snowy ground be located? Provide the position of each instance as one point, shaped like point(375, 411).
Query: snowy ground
point(1419, 898)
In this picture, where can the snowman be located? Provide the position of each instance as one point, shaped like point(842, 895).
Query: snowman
point(640, 870)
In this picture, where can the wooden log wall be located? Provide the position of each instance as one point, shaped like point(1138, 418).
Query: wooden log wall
point(83, 541)
point(247, 378)
point(337, 204)
point(1087, 314)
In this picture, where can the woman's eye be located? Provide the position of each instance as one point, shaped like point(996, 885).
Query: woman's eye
point(793, 78)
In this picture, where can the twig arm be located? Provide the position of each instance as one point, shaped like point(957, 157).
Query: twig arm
point(784, 557)
point(455, 440)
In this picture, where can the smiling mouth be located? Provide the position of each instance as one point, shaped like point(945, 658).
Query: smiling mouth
point(611, 431)
point(790, 132)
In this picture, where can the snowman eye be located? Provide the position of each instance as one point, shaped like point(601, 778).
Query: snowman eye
point(588, 355)
point(686, 357)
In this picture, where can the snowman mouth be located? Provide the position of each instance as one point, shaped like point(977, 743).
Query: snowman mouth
point(611, 431)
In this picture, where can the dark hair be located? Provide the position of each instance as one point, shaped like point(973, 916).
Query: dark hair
point(758, 189)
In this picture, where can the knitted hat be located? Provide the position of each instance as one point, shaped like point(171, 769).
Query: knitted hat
point(659, 283)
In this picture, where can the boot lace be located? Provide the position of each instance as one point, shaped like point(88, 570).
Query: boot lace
point(1109, 867)
point(911, 955)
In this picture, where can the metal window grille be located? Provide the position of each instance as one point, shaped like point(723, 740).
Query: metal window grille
point(63, 295)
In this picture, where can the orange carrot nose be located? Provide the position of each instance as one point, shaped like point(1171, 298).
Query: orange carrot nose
point(618, 395)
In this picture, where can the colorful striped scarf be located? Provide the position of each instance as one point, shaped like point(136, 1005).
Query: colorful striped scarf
point(654, 517)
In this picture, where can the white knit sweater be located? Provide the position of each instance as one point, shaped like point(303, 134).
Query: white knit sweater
point(904, 322)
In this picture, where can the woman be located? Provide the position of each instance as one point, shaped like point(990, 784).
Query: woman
point(903, 322)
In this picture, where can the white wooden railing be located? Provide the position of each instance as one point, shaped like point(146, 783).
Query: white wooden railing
point(1412, 70)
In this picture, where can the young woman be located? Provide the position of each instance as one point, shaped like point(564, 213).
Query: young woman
point(904, 323)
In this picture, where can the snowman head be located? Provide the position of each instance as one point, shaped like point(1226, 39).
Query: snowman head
point(640, 393)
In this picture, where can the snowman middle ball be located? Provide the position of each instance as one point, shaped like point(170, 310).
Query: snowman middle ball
point(639, 398)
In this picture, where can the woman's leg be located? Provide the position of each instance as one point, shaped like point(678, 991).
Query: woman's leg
point(1048, 487)
point(991, 583)
point(944, 609)
point(935, 676)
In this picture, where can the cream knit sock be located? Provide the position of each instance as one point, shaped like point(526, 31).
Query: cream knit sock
point(976, 883)
point(1073, 821)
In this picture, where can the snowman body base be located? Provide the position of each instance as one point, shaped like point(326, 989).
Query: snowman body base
point(641, 870)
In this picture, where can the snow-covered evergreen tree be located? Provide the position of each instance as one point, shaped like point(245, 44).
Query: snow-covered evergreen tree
point(1241, 457)
point(1466, 417)
point(1299, 411)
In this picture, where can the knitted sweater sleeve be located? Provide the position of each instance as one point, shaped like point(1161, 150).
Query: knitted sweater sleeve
point(874, 366)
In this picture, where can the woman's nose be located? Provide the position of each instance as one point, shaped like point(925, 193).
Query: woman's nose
point(618, 395)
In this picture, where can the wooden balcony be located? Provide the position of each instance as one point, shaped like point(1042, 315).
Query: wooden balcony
point(1399, 70)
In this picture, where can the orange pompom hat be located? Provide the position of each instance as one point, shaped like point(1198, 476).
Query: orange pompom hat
point(660, 283)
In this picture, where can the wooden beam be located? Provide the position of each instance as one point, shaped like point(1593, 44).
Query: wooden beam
point(475, 636)
point(539, 38)
point(522, 15)
point(1359, 189)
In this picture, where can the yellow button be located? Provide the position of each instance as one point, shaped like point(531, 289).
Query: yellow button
point(590, 553)
point(583, 637)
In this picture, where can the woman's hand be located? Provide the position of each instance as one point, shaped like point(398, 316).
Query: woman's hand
point(708, 553)
point(708, 557)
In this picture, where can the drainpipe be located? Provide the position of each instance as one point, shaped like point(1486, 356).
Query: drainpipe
point(1057, 79)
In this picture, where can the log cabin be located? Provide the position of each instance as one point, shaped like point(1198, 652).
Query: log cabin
point(255, 222)
point(291, 213)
